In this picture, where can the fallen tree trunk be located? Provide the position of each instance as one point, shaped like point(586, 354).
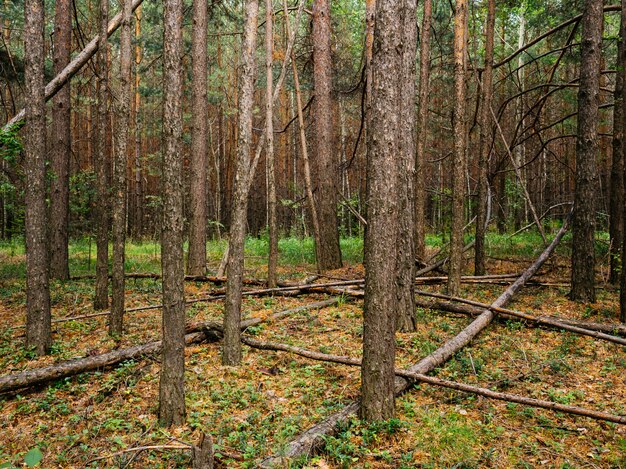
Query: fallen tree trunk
point(195, 334)
point(540, 320)
point(467, 310)
point(422, 378)
point(188, 278)
point(313, 438)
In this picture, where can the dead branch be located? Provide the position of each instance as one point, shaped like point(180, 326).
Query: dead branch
point(422, 378)
point(196, 333)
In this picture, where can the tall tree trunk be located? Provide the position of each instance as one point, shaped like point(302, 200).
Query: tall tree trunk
point(269, 142)
point(171, 388)
point(101, 300)
point(38, 335)
point(485, 142)
point(138, 195)
point(422, 135)
point(616, 217)
point(379, 321)
point(122, 122)
point(406, 172)
point(231, 354)
point(622, 314)
point(584, 221)
point(61, 146)
point(196, 262)
point(460, 142)
point(328, 251)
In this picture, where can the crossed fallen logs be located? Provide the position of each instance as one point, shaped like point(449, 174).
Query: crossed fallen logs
point(313, 438)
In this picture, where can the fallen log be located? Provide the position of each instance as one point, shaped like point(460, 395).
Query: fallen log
point(188, 278)
point(553, 322)
point(196, 334)
point(313, 438)
point(540, 320)
point(422, 378)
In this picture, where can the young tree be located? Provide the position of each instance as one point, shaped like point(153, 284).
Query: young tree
point(328, 251)
point(231, 354)
point(101, 300)
point(584, 221)
point(406, 172)
point(122, 123)
point(422, 134)
point(61, 146)
point(196, 261)
point(38, 335)
point(485, 142)
point(171, 388)
point(269, 146)
point(379, 322)
point(460, 142)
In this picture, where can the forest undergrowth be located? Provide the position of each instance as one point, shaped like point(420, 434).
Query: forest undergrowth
point(105, 418)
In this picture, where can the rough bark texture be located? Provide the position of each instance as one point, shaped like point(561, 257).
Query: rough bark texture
point(584, 221)
point(122, 123)
point(622, 296)
point(171, 389)
point(231, 354)
point(101, 300)
point(61, 146)
point(422, 134)
point(328, 251)
point(196, 261)
point(460, 143)
point(379, 312)
point(38, 334)
point(313, 438)
point(616, 201)
point(269, 147)
point(406, 172)
point(485, 143)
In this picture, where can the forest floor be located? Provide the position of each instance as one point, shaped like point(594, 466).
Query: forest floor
point(99, 419)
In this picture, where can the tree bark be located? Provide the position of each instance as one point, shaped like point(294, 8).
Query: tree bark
point(460, 143)
point(422, 134)
point(584, 221)
point(231, 354)
point(61, 147)
point(485, 143)
point(38, 335)
point(101, 299)
point(171, 387)
point(616, 212)
point(269, 149)
point(405, 269)
point(381, 291)
point(122, 122)
point(328, 251)
point(196, 261)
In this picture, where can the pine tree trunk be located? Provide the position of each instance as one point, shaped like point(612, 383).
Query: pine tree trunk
point(379, 321)
point(328, 251)
point(460, 143)
point(138, 229)
point(269, 149)
point(61, 147)
point(584, 221)
point(422, 134)
point(231, 355)
point(122, 123)
point(406, 172)
point(616, 215)
point(38, 335)
point(485, 143)
point(101, 300)
point(196, 262)
point(171, 387)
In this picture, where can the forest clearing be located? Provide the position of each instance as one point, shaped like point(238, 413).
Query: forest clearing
point(312, 233)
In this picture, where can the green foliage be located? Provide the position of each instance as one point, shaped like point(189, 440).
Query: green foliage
point(10, 143)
